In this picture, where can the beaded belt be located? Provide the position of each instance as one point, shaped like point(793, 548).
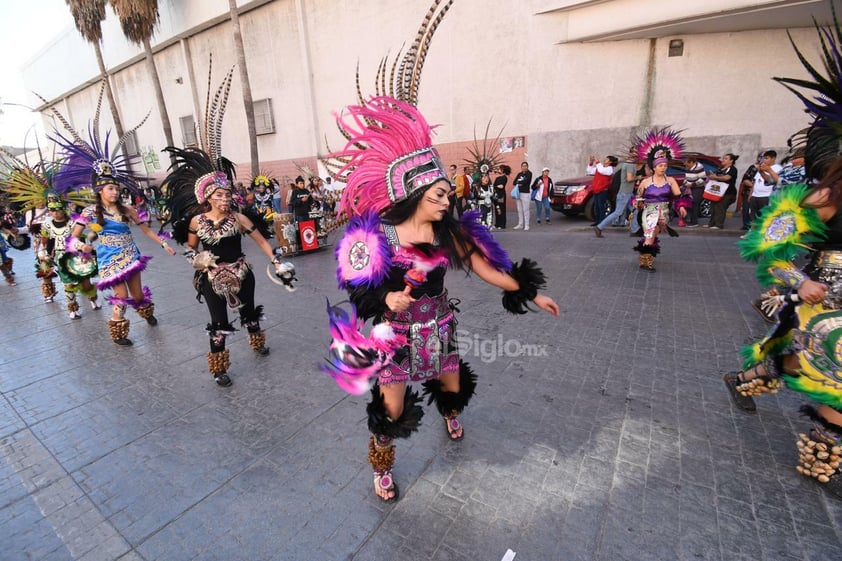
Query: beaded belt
point(115, 239)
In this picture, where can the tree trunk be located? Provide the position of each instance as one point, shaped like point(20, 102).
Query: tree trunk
point(115, 114)
point(159, 95)
point(246, 85)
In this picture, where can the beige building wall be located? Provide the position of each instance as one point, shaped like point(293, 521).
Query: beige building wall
point(497, 60)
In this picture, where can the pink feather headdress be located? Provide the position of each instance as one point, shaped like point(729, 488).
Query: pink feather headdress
point(656, 146)
point(390, 153)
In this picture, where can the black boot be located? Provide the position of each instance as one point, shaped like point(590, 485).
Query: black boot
point(744, 402)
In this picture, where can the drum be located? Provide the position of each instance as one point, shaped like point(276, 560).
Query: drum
point(78, 267)
point(20, 241)
point(286, 233)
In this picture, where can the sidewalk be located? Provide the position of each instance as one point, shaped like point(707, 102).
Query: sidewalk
point(619, 443)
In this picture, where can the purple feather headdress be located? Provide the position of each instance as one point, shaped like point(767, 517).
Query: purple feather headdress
point(356, 360)
point(90, 163)
point(656, 146)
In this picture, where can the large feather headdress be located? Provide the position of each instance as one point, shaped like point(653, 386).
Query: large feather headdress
point(34, 185)
point(195, 173)
point(389, 156)
point(92, 162)
point(658, 145)
point(822, 99)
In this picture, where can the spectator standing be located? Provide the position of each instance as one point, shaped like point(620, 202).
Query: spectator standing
point(500, 197)
point(463, 190)
point(602, 174)
point(541, 195)
point(765, 181)
point(300, 199)
point(628, 173)
point(523, 181)
point(726, 174)
point(793, 171)
point(694, 184)
point(276, 196)
point(744, 194)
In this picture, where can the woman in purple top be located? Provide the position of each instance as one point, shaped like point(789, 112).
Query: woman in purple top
point(654, 194)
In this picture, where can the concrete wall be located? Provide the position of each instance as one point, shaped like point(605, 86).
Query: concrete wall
point(491, 59)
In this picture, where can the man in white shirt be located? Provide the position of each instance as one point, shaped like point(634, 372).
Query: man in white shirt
point(765, 181)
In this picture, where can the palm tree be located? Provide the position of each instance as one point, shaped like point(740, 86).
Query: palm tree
point(88, 16)
point(244, 78)
point(138, 19)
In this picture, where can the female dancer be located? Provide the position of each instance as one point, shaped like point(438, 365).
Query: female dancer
point(201, 210)
point(118, 258)
point(802, 350)
point(394, 269)
point(657, 147)
point(74, 271)
point(200, 205)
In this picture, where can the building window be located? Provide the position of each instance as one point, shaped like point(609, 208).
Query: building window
point(676, 47)
point(264, 123)
point(188, 130)
point(132, 147)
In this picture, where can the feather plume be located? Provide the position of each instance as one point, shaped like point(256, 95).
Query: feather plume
point(654, 141)
point(822, 99)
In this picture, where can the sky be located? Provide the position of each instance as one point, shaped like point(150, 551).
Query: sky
point(28, 27)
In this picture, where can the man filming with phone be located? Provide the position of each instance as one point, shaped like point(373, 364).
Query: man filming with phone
point(765, 180)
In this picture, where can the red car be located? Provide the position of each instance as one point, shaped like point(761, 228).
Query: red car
point(572, 197)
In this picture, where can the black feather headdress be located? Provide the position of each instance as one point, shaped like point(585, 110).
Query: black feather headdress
point(196, 173)
point(822, 99)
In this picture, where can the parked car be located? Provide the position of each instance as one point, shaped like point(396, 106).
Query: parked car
point(574, 196)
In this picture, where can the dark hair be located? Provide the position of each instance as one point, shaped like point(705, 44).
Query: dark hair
point(448, 233)
point(299, 179)
point(505, 170)
point(832, 180)
point(527, 163)
point(770, 153)
point(612, 159)
point(100, 211)
point(733, 157)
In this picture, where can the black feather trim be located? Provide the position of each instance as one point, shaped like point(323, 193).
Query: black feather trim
point(448, 402)
point(530, 278)
point(813, 414)
point(258, 220)
point(378, 418)
point(253, 317)
point(653, 249)
point(370, 302)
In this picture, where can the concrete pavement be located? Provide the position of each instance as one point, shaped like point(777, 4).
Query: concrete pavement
point(604, 434)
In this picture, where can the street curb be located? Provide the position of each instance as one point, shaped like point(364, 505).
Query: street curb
point(681, 231)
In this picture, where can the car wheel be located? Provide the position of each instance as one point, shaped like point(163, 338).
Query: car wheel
point(589, 209)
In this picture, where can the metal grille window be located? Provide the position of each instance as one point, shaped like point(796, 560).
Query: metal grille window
point(264, 122)
point(188, 130)
point(132, 148)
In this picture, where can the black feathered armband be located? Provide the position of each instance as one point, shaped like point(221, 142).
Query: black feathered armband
point(530, 279)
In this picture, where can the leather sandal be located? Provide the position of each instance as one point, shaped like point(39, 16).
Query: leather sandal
point(386, 483)
point(454, 428)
